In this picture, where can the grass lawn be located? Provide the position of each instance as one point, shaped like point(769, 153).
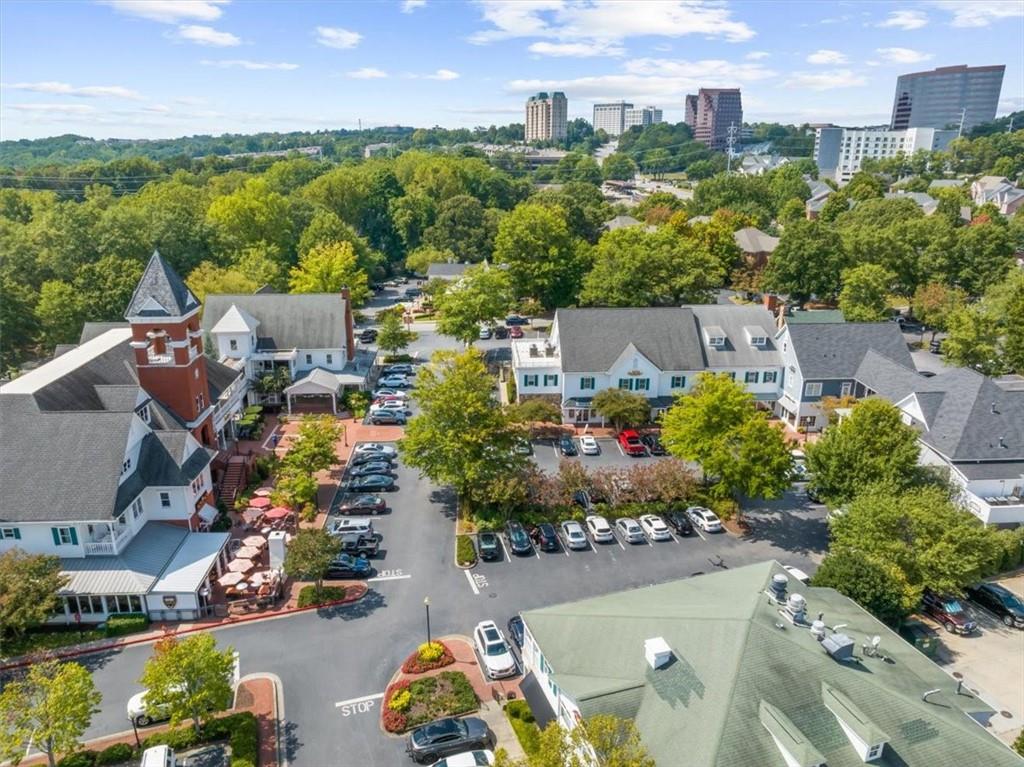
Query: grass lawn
point(447, 694)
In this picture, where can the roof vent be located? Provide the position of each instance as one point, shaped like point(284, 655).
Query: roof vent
point(796, 608)
point(818, 630)
point(839, 646)
point(533, 350)
point(657, 652)
point(777, 588)
point(993, 409)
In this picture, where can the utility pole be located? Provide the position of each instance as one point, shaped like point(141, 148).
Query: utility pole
point(730, 142)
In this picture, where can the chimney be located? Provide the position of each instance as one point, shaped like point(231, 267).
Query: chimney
point(350, 335)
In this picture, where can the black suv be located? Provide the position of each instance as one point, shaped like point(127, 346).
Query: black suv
point(489, 546)
point(653, 444)
point(359, 545)
point(545, 537)
point(501, 332)
point(679, 521)
point(518, 540)
point(567, 446)
point(368, 336)
point(448, 736)
point(1000, 601)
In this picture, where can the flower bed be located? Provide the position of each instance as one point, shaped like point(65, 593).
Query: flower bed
point(427, 660)
point(408, 704)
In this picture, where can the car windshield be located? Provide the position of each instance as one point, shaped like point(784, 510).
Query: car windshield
point(952, 606)
point(1010, 601)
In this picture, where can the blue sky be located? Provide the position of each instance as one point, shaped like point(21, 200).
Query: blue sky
point(163, 68)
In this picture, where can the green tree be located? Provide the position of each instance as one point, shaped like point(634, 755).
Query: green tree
point(252, 214)
point(864, 186)
point(809, 261)
point(622, 407)
point(50, 708)
point(871, 445)
point(973, 339)
point(865, 293)
point(59, 313)
point(583, 206)
point(587, 171)
point(411, 215)
point(543, 261)
point(419, 260)
point(534, 410)
point(189, 678)
point(392, 335)
point(105, 287)
point(208, 278)
point(29, 587)
point(314, 449)
point(459, 438)
point(619, 167)
point(878, 586)
point(983, 256)
point(309, 555)
point(326, 228)
point(481, 295)
point(750, 195)
point(462, 227)
point(934, 302)
point(18, 322)
point(328, 269)
point(1013, 336)
point(792, 210)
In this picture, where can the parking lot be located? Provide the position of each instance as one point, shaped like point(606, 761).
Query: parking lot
point(547, 455)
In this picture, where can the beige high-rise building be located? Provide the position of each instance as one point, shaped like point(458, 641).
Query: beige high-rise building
point(547, 117)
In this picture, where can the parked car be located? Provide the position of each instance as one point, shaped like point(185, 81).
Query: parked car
point(144, 715)
point(370, 484)
point(373, 467)
point(518, 540)
point(523, 447)
point(630, 442)
point(489, 546)
point(390, 394)
point(514, 320)
point(1000, 601)
point(680, 522)
point(375, 447)
point(501, 332)
point(654, 527)
point(368, 336)
point(653, 444)
point(395, 407)
point(398, 369)
point(948, 611)
point(797, 573)
point(705, 519)
point(444, 737)
point(630, 531)
point(494, 651)
point(352, 526)
point(799, 472)
point(366, 503)
point(481, 757)
point(387, 402)
point(566, 446)
point(394, 382)
point(516, 630)
point(348, 566)
point(573, 536)
point(413, 292)
point(386, 418)
point(544, 536)
point(812, 493)
point(360, 459)
point(359, 545)
point(589, 445)
point(485, 332)
point(582, 499)
point(515, 332)
point(599, 529)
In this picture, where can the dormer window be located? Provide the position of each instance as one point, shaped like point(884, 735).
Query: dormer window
point(715, 336)
point(755, 335)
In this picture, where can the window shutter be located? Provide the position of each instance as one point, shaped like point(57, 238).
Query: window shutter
point(74, 536)
point(56, 536)
point(17, 533)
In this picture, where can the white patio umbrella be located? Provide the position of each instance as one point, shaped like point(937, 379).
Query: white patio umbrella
point(240, 565)
point(263, 492)
point(231, 579)
point(247, 552)
point(254, 540)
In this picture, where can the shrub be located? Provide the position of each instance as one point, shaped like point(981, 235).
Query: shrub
point(180, 739)
point(79, 759)
point(394, 721)
point(400, 701)
point(1018, 745)
point(524, 725)
point(415, 665)
point(308, 596)
point(519, 709)
point(129, 623)
point(428, 653)
point(115, 754)
point(465, 552)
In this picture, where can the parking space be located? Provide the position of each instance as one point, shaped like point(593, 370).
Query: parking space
point(547, 455)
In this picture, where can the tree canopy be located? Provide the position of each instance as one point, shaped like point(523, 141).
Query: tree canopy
point(29, 591)
point(482, 295)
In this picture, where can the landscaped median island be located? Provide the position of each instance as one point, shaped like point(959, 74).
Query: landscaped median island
point(465, 551)
point(422, 692)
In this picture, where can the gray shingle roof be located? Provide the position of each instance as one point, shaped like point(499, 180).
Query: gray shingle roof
point(835, 351)
point(619, 222)
point(446, 271)
point(91, 330)
point(734, 320)
point(702, 710)
point(160, 292)
point(287, 321)
point(752, 240)
point(591, 340)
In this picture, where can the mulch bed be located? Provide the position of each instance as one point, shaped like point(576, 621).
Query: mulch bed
point(449, 693)
point(738, 526)
point(413, 664)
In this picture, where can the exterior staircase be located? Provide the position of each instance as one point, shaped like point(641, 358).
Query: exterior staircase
point(235, 478)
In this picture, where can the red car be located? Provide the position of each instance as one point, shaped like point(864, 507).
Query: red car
point(948, 611)
point(630, 442)
point(515, 332)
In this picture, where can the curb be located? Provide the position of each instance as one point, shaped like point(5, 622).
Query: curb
point(25, 661)
point(455, 556)
point(275, 682)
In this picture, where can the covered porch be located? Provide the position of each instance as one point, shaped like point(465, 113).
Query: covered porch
point(323, 385)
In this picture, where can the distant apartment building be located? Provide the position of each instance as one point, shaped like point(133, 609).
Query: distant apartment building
point(938, 99)
point(547, 117)
point(643, 117)
point(711, 112)
point(611, 118)
point(839, 152)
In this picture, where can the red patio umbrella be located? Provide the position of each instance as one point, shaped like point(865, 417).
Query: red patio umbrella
point(259, 502)
point(278, 512)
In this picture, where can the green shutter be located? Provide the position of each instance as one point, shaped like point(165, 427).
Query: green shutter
point(56, 536)
point(17, 534)
point(74, 536)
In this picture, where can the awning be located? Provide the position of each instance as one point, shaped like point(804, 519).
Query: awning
point(317, 381)
point(208, 513)
point(191, 563)
point(660, 402)
point(578, 402)
point(537, 700)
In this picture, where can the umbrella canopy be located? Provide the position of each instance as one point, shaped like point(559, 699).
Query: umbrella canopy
point(263, 576)
point(254, 540)
point(247, 552)
point(260, 502)
point(241, 565)
point(250, 515)
point(231, 579)
point(263, 492)
point(278, 512)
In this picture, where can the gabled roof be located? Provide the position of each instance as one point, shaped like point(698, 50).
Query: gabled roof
point(750, 239)
point(235, 320)
point(730, 656)
point(286, 320)
point(161, 292)
point(619, 222)
point(591, 340)
point(733, 321)
point(446, 271)
point(835, 351)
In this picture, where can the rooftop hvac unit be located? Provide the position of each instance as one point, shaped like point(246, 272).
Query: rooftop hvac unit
point(818, 630)
point(657, 652)
point(777, 588)
point(533, 350)
point(796, 608)
point(839, 646)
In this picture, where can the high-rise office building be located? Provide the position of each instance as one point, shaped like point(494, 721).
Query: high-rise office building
point(839, 152)
point(710, 114)
point(939, 98)
point(611, 118)
point(547, 117)
point(643, 117)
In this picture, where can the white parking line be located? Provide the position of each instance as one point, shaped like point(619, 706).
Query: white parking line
point(503, 549)
point(697, 530)
point(380, 578)
point(350, 701)
point(673, 536)
point(472, 583)
point(620, 543)
point(621, 451)
point(536, 551)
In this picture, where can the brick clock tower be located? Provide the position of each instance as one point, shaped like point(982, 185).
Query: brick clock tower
point(168, 344)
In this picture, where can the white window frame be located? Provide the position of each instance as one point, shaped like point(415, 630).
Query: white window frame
point(588, 383)
point(233, 344)
point(530, 379)
point(812, 389)
point(136, 508)
point(165, 500)
point(64, 536)
point(846, 389)
point(551, 379)
point(677, 382)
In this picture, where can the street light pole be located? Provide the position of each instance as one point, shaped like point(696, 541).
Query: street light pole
point(426, 604)
point(135, 729)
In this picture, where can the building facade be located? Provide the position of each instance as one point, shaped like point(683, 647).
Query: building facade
point(611, 118)
point(547, 117)
point(710, 114)
point(944, 97)
point(839, 152)
point(642, 117)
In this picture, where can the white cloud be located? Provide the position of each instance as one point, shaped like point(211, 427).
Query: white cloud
point(190, 100)
point(902, 55)
point(169, 11)
point(579, 50)
point(411, 5)
point(826, 56)
point(714, 70)
point(443, 74)
point(757, 55)
point(65, 109)
point(980, 13)
point(904, 20)
point(337, 37)
point(66, 89)
point(366, 73)
point(824, 81)
point(202, 35)
point(611, 20)
point(157, 109)
point(247, 64)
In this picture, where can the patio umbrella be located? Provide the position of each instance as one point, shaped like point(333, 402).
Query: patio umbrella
point(254, 540)
point(250, 515)
point(278, 512)
point(241, 565)
point(230, 579)
point(247, 552)
point(263, 492)
point(261, 577)
point(260, 502)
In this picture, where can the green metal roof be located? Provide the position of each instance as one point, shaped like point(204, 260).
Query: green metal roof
point(730, 655)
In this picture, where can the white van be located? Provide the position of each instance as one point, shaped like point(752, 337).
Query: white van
point(159, 756)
